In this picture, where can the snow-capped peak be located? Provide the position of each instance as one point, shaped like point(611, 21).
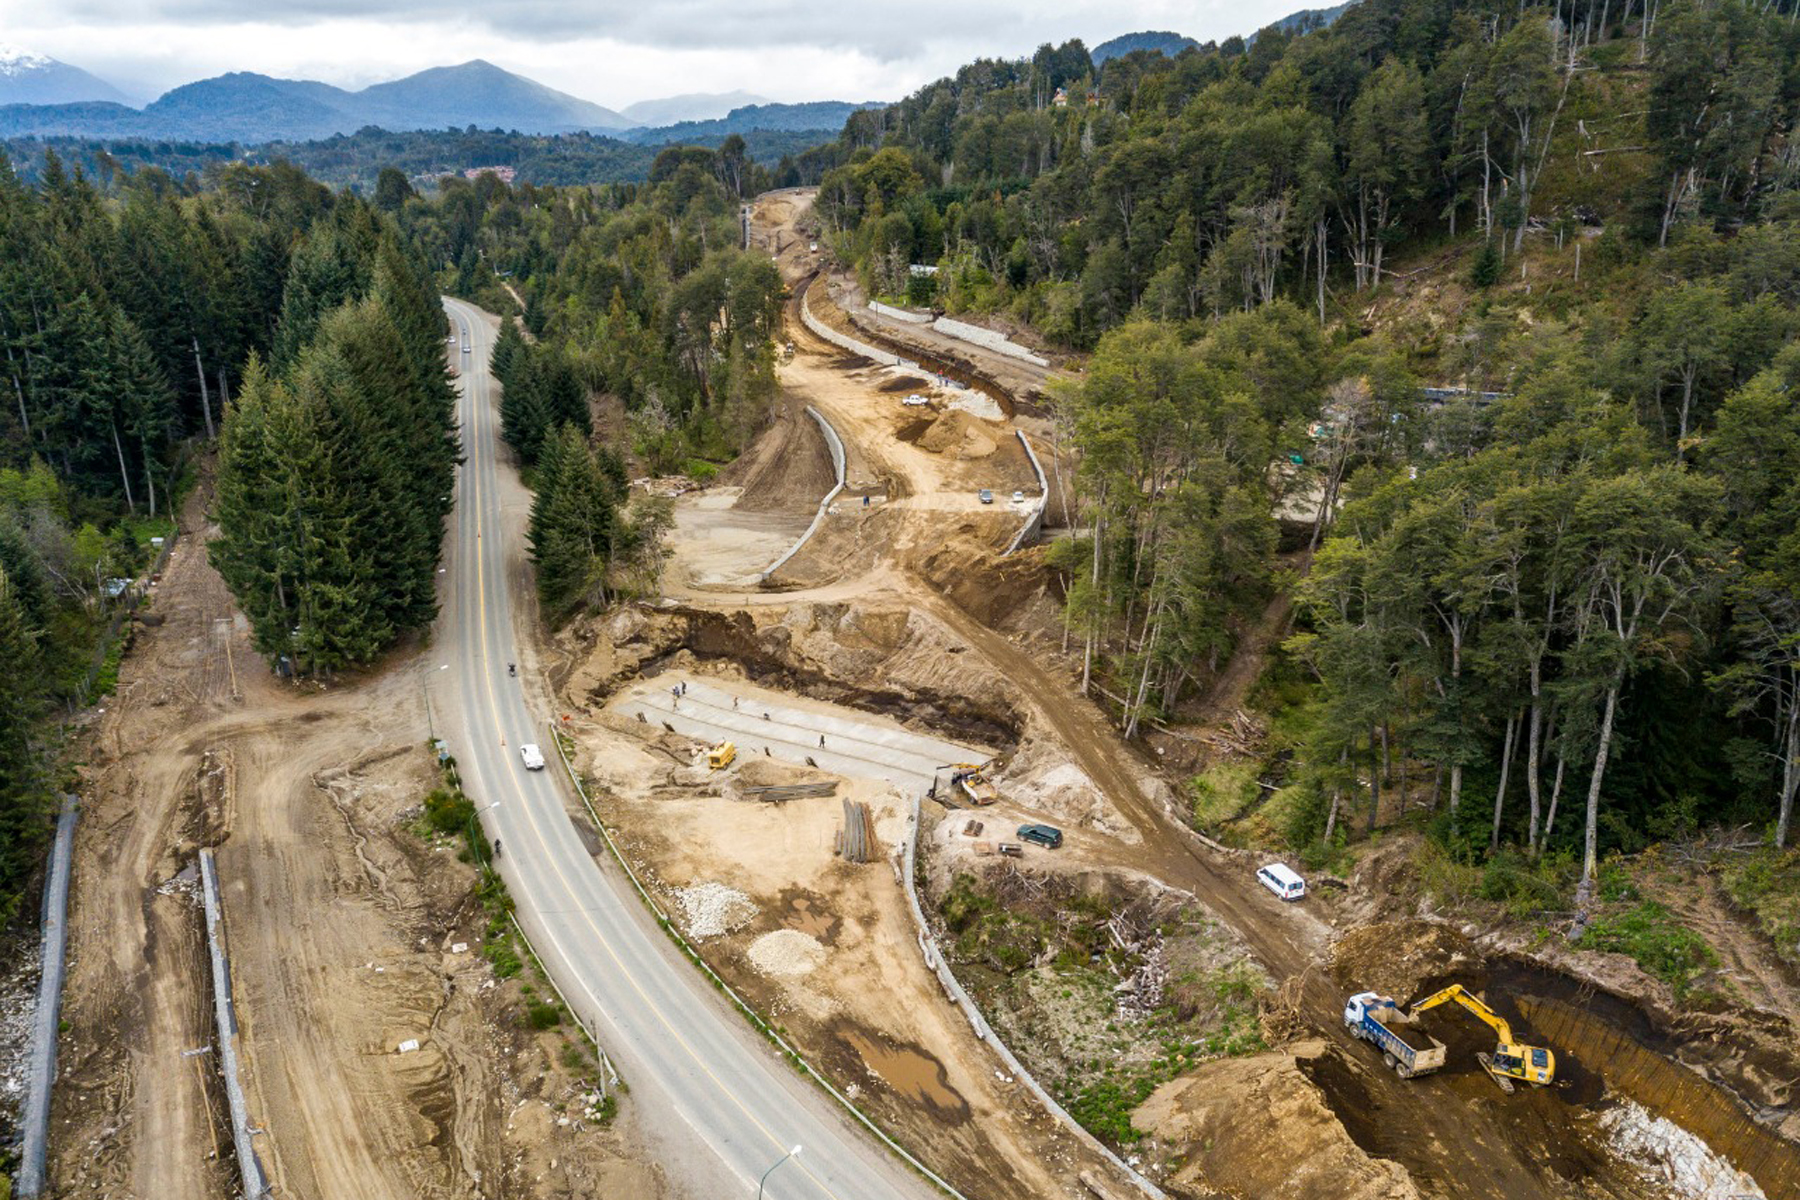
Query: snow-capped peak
point(17, 61)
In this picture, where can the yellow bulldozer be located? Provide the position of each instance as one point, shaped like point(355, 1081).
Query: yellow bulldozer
point(1510, 1060)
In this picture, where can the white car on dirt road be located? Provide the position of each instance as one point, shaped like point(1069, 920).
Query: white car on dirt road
point(915, 401)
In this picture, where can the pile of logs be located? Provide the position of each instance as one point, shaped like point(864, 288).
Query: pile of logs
point(856, 842)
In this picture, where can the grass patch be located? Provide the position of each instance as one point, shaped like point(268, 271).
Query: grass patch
point(1766, 884)
point(1650, 934)
point(1223, 792)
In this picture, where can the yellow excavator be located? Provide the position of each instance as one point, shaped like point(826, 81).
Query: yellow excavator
point(1510, 1060)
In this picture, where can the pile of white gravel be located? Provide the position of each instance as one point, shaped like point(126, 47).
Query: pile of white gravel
point(713, 910)
point(786, 952)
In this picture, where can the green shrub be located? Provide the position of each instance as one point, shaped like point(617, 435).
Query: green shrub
point(1525, 887)
point(542, 1014)
point(1661, 945)
point(448, 811)
point(1104, 1108)
point(1766, 883)
point(964, 902)
point(502, 958)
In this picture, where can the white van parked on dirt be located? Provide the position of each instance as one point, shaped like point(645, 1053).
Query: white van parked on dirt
point(1283, 882)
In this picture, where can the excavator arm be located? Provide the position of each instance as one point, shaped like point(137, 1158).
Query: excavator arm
point(1534, 1064)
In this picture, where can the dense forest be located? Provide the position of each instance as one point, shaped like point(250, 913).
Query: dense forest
point(1505, 294)
point(636, 294)
point(355, 160)
point(126, 316)
point(338, 455)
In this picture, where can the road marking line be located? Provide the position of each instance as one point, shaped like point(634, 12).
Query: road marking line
point(475, 462)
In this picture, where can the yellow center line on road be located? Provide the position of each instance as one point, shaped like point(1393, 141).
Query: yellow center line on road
point(474, 465)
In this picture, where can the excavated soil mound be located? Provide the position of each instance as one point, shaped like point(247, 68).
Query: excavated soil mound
point(1398, 958)
point(1017, 593)
point(1257, 1127)
point(889, 660)
point(787, 468)
point(960, 433)
point(767, 772)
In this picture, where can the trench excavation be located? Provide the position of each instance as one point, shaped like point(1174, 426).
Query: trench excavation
point(901, 665)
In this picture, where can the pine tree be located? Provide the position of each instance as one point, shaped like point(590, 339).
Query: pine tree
point(144, 403)
point(24, 798)
point(575, 531)
point(507, 348)
point(254, 553)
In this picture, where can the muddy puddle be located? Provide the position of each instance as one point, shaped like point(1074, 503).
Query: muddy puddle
point(806, 912)
point(916, 1077)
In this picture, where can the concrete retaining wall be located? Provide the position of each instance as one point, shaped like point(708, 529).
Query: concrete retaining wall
point(934, 960)
point(1034, 521)
point(988, 339)
point(899, 314)
point(836, 445)
point(46, 1018)
point(256, 1184)
point(844, 341)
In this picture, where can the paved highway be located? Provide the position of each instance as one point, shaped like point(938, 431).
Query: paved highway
point(715, 1102)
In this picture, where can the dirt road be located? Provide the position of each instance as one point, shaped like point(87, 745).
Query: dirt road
point(338, 916)
point(1524, 1150)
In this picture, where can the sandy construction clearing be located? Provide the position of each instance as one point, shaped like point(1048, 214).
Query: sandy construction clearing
point(830, 955)
point(794, 729)
point(339, 918)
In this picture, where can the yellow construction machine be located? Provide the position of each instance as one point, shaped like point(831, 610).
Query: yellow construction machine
point(1510, 1060)
point(968, 779)
point(721, 756)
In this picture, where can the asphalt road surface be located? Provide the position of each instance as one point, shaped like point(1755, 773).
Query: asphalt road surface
point(715, 1102)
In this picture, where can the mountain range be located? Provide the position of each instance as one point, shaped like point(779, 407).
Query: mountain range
point(695, 106)
point(27, 78)
point(44, 98)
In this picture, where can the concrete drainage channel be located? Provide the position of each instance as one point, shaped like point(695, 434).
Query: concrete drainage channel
point(934, 960)
point(46, 1017)
point(1034, 520)
point(250, 1169)
point(34, 1149)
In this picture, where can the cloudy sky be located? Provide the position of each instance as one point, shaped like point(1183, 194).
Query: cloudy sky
point(610, 51)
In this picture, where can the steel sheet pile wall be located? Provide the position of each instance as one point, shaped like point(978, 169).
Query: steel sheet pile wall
point(1671, 1090)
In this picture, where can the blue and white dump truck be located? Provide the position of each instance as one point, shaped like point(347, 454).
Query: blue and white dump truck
point(1369, 1017)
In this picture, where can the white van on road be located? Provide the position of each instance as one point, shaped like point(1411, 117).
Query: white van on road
point(1283, 882)
point(532, 756)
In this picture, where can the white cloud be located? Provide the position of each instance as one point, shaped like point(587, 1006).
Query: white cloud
point(611, 52)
